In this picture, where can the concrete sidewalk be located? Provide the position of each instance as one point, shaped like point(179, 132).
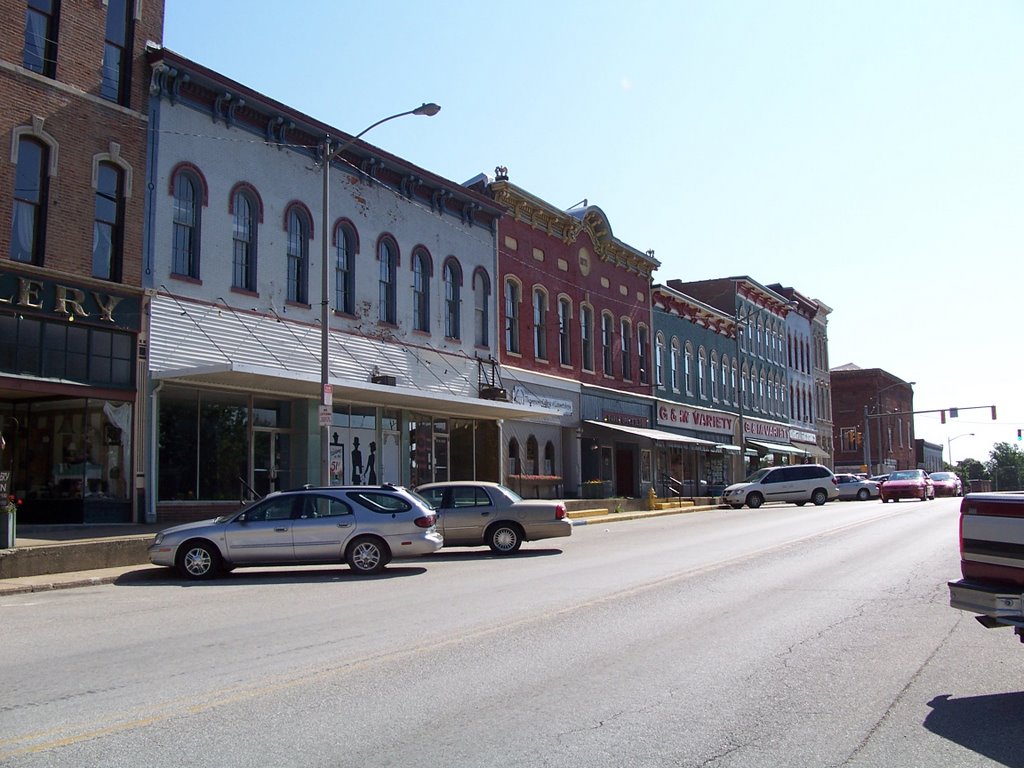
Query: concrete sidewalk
point(78, 556)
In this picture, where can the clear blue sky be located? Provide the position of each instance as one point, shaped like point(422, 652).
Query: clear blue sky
point(870, 154)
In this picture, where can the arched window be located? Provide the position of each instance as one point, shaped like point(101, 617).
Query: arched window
point(725, 378)
point(642, 352)
point(531, 456)
point(298, 255)
point(452, 299)
point(713, 373)
point(659, 361)
point(108, 223)
point(540, 319)
point(674, 366)
point(187, 207)
point(28, 224)
point(387, 295)
point(514, 466)
point(587, 336)
point(607, 331)
point(626, 344)
point(733, 376)
point(564, 331)
point(702, 373)
point(688, 371)
point(481, 308)
point(549, 458)
point(345, 248)
point(513, 297)
point(243, 258)
point(421, 290)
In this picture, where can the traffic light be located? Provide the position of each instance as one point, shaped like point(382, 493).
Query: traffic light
point(993, 413)
point(954, 412)
point(1018, 436)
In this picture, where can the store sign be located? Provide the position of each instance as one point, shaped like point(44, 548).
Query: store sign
point(801, 436)
point(68, 300)
point(521, 396)
point(696, 418)
point(766, 430)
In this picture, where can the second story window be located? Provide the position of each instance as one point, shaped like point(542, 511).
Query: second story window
point(587, 336)
point(512, 300)
point(481, 308)
point(298, 256)
point(659, 361)
point(421, 291)
point(452, 300)
point(243, 248)
point(117, 50)
point(688, 369)
point(540, 329)
point(345, 270)
point(28, 222)
point(713, 373)
point(643, 342)
point(606, 344)
point(40, 51)
point(564, 330)
point(626, 338)
point(185, 250)
point(108, 223)
point(674, 366)
point(702, 374)
point(387, 294)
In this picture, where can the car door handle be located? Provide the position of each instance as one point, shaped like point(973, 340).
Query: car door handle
point(281, 530)
point(344, 525)
point(484, 514)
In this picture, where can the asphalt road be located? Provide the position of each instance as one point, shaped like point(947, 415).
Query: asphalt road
point(779, 637)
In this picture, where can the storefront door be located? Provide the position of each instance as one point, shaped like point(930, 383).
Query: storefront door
point(271, 462)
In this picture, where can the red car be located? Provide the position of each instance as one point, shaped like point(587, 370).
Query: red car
point(908, 484)
point(947, 484)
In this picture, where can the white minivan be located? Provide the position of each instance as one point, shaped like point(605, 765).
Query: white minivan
point(796, 484)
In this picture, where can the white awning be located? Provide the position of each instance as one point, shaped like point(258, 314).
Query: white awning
point(656, 435)
point(778, 447)
point(728, 448)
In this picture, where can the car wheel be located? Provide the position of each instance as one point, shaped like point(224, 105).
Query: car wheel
point(198, 560)
point(736, 506)
point(755, 500)
point(863, 495)
point(819, 497)
point(799, 503)
point(504, 538)
point(366, 556)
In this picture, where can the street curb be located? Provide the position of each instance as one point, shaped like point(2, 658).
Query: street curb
point(50, 586)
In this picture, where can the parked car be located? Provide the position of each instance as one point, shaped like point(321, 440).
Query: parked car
point(364, 526)
point(798, 484)
point(947, 484)
point(880, 478)
point(471, 513)
point(908, 484)
point(854, 487)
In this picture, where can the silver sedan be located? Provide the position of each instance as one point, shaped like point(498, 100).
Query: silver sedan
point(472, 513)
point(854, 488)
point(364, 526)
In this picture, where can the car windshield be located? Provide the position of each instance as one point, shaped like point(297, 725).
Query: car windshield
point(942, 475)
point(758, 475)
point(910, 475)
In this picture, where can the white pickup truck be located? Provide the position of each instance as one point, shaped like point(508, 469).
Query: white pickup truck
point(992, 560)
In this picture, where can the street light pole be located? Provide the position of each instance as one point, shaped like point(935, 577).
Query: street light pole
point(326, 395)
point(949, 444)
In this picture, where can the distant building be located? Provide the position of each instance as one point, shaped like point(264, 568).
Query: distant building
point(873, 420)
point(928, 455)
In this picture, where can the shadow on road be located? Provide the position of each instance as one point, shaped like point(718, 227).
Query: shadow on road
point(991, 726)
point(467, 555)
point(156, 576)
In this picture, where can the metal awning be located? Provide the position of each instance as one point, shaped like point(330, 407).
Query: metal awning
point(728, 448)
point(778, 447)
point(657, 435)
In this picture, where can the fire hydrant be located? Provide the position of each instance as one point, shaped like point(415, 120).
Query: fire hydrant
point(651, 498)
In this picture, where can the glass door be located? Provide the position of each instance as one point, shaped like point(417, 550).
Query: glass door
point(271, 462)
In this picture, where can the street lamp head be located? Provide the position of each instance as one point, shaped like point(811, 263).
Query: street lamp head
point(429, 110)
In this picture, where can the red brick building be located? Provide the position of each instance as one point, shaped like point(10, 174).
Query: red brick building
point(73, 134)
point(873, 420)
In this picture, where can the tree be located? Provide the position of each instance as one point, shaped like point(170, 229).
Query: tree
point(970, 469)
point(1006, 466)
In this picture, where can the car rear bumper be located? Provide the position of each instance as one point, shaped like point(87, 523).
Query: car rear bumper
point(1002, 603)
point(552, 530)
point(415, 546)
